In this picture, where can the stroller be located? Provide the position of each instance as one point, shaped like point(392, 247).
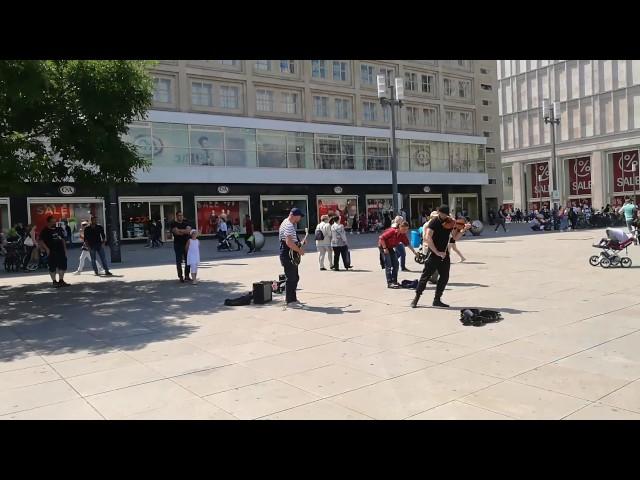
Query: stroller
point(230, 242)
point(14, 256)
point(616, 241)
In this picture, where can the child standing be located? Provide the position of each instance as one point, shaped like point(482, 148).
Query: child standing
point(193, 255)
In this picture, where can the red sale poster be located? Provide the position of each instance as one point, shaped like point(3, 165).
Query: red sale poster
point(210, 211)
point(71, 213)
point(580, 176)
point(540, 179)
point(623, 177)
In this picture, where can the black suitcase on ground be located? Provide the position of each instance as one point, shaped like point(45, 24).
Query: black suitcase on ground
point(262, 292)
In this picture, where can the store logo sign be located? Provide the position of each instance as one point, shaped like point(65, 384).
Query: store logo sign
point(337, 189)
point(223, 189)
point(426, 189)
point(67, 190)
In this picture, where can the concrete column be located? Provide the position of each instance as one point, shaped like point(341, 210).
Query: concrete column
point(598, 179)
point(518, 185)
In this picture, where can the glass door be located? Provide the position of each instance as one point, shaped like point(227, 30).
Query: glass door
point(464, 205)
point(421, 206)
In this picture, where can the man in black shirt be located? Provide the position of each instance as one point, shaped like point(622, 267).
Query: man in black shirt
point(52, 242)
point(95, 238)
point(181, 232)
point(436, 238)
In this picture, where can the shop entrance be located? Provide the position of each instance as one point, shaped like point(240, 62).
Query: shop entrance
point(420, 205)
point(464, 204)
point(166, 213)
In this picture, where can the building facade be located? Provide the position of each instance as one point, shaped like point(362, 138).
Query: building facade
point(256, 137)
point(597, 140)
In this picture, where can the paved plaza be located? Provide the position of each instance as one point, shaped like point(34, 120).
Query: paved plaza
point(140, 345)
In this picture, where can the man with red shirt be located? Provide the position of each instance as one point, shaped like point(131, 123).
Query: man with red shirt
point(387, 243)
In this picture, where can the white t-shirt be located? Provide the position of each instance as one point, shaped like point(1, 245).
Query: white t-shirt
point(326, 231)
point(222, 227)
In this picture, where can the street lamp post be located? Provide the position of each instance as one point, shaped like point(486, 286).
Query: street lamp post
point(551, 114)
point(396, 97)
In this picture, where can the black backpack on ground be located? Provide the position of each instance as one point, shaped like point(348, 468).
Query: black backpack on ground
point(239, 301)
point(477, 317)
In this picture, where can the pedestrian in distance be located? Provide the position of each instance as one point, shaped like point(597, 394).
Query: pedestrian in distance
point(323, 241)
point(84, 252)
point(340, 245)
point(52, 241)
point(96, 239)
point(181, 231)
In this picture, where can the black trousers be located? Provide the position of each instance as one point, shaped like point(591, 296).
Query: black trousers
point(181, 256)
point(291, 272)
point(435, 263)
point(500, 223)
point(337, 253)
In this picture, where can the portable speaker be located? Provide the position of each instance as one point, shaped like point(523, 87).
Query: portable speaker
point(262, 292)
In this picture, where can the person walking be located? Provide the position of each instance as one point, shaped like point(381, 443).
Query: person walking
point(223, 228)
point(629, 209)
point(363, 223)
point(84, 252)
point(288, 237)
point(193, 255)
point(323, 241)
point(501, 219)
point(437, 240)
point(181, 231)
point(340, 245)
point(387, 243)
point(52, 241)
point(96, 239)
point(30, 244)
point(249, 239)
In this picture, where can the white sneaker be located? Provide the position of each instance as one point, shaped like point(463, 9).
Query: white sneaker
point(296, 305)
point(76, 273)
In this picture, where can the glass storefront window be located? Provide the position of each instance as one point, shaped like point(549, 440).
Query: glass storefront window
point(240, 147)
point(4, 218)
point(272, 147)
point(134, 217)
point(439, 156)
point(404, 159)
point(328, 152)
point(276, 209)
point(376, 208)
point(378, 153)
point(344, 207)
point(299, 150)
point(207, 146)
point(209, 210)
point(420, 154)
point(70, 213)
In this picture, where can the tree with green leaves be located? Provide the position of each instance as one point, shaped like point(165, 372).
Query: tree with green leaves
point(64, 121)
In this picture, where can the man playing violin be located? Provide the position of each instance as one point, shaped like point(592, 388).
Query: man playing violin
point(438, 233)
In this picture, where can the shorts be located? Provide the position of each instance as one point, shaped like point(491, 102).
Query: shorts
point(57, 261)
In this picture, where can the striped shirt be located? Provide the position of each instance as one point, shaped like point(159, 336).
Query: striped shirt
point(287, 229)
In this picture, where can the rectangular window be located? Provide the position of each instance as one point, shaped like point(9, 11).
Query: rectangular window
point(485, 118)
point(290, 103)
point(451, 120)
point(389, 74)
point(430, 117)
point(264, 100)
point(263, 65)
point(319, 69)
point(386, 114)
point(448, 87)
point(486, 102)
point(229, 97)
point(490, 150)
point(493, 181)
point(428, 83)
point(321, 106)
point(287, 66)
point(412, 116)
point(466, 122)
point(484, 71)
point(201, 94)
point(162, 90)
point(339, 71)
point(369, 111)
point(228, 63)
point(367, 76)
point(486, 134)
point(464, 89)
point(484, 86)
point(342, 109)
point(410, 81)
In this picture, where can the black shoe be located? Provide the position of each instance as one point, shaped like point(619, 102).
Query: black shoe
point(406, 269)
point(62, 283)
point(322, 268)
point(56, 284)
point(187, 279)
point(108, 273)
point(181, 280)
point(438, 303)
point(414, 302)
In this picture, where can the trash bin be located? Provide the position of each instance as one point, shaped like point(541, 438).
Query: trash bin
point(415, 238)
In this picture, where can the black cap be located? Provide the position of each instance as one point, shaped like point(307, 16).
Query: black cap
point(444, 209)
point(296, 212)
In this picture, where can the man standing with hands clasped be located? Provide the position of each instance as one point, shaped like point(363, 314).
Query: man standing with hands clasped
point(437, 240)
point(95, 238)
point(181, 232)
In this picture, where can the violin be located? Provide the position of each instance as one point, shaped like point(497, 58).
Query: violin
point(459, 224)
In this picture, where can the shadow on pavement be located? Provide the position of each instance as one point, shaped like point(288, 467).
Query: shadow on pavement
point(329, 310)
point(38, 319)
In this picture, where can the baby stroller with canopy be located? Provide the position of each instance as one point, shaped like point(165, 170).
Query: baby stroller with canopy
point(14, 256)
point(616, 241)
point(231, 242)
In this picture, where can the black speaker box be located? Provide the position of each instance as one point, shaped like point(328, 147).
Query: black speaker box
point(262, 292)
